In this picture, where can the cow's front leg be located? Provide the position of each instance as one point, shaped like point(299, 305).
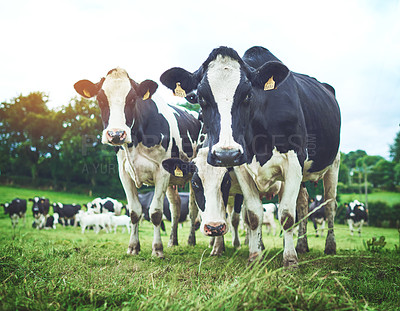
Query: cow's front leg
point(175, 208)
point(252, 212)
point(292, 175)
point(193, 214)
point(161, 181)
point(134, 206)
point(235, 219)
point(218, 246)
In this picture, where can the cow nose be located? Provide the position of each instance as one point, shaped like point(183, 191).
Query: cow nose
point(115, 136)
point(215, 229)
point(227, 157)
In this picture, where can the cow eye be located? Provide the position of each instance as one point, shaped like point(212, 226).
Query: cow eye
point(195, 184)
point(247, 98)
point(202, 102)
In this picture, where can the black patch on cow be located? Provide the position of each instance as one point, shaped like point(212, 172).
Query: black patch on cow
point(198, 189)
point(150, 127)
point(225, 187)
point(15, 207)
point(104, 107)
point(189, 129)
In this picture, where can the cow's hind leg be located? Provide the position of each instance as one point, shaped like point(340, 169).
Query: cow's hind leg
point(302, 209)
point(175, 208)
point(330, 189)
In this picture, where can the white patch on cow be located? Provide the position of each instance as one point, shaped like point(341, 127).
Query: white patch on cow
point(223, 77)
point(214, 211)
point(116, 86)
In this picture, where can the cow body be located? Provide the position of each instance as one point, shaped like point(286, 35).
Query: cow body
point(145, 131)
point(270, 124)
point(120, 221)
point(16, 210)
point(99, 221)
point(106, 205)
point(51, 221)
point(317, 216)
point(40, 210)
point(66, 213)
point(356, 216)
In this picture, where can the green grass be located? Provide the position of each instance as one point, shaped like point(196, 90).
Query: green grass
point(64, 269)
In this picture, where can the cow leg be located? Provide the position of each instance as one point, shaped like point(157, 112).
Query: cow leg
point(212, 241)
point(175, 208)
point(193, 213)
point(218, 246)
point(235, 219)
point(359, 228)
point(350, 223)
point(134, 206)
point(252, 211)
point(302, 209)
point(161, 180)
point(330, 188)
point(322, 227)
point(292, 175)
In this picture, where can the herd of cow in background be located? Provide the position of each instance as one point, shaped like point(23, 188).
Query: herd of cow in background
point(108, 214)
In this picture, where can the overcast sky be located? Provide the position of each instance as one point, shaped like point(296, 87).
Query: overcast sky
point(48, 45)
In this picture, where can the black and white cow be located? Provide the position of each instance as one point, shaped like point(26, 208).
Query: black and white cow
point(269, 124)
point(356, 215)
point(51, 221)
point(16, 209)
point(317, 216)
point(66, 213)
point(145, 131)
point(40, 210)
point(106, 205)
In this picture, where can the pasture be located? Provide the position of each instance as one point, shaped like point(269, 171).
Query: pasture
point(63, 269)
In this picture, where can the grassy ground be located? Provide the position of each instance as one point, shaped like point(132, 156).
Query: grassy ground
point(63, 269)
point(388, 197)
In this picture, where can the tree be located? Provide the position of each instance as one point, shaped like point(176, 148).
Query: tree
point(395, 149)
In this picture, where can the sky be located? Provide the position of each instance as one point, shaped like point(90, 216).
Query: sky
point(354, 45)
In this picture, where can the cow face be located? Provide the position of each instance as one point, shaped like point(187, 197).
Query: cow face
point(211, 186)
point(226, 90)
point(117, 95)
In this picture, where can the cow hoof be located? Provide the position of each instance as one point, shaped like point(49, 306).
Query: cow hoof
point(254, 256)
point(291, 262)
point(132, 252)
point(216, 253)
point(192, 240)
point(158, 254)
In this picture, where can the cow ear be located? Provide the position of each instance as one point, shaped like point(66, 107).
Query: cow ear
point(180, 81)
point(270, 75)
point(179, 168)
point(146, 89)
point(88, 89)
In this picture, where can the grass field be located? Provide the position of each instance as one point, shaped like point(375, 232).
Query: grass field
point(63, 269)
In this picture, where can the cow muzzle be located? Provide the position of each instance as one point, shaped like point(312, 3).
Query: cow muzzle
point(116, 137)
point(226, 157)
point(215, 229)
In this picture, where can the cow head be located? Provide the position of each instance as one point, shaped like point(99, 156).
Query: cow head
point(211, 187)
point(226, 88)
point(117, 95)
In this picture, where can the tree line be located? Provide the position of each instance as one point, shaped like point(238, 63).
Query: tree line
point(61, 149)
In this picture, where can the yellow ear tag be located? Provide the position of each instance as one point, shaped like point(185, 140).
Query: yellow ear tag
point(179, 91)
point(178, 172)
point(270, 84)
point(147, 95)
point(87, 94)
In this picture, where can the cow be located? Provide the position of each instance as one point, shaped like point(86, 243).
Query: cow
point(40, 210)
point(269, 124)
point(51, 221)
point(106, 205)
point(317, 213)
point(66, 213)
point(356, 215)
point(16, 209)
point(213, 196)
point(144, 131)
point(268, 217)
point(97, 220)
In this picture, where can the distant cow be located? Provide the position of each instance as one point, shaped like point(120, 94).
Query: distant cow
point(268, 218)
point(51, 221)
point(318, 214)
point(16, 210)
point(66, 212)
point(97, 220)
point(40, 207)
point(105, 205)
point(356, 215)
point(121, 221)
